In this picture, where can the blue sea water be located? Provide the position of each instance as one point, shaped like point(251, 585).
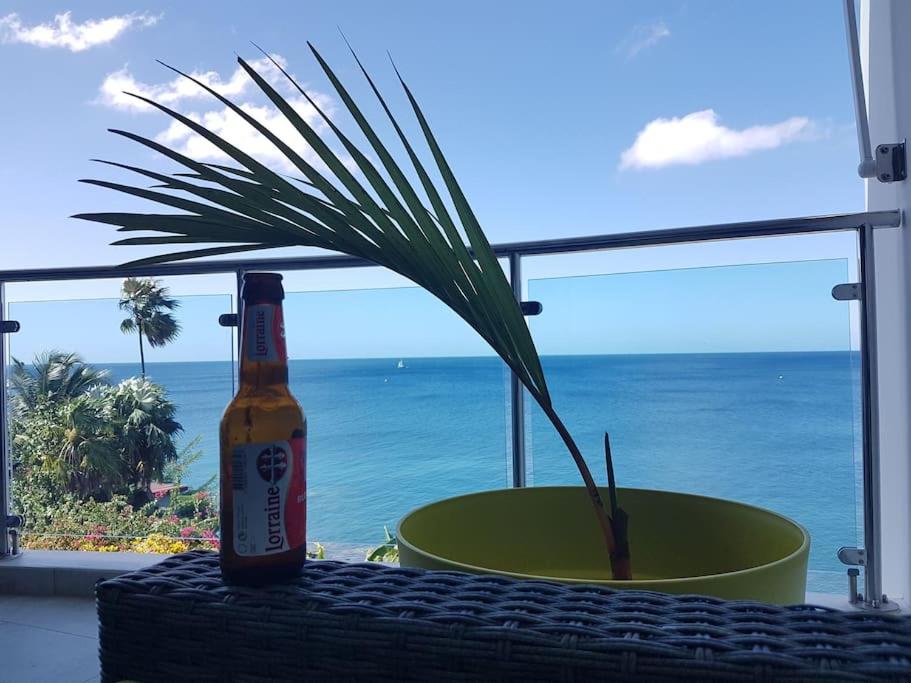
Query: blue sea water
point(778, 430)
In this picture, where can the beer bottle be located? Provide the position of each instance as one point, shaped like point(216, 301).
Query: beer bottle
point(263, 450)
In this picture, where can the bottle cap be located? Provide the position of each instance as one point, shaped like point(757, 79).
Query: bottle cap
point(263, 287)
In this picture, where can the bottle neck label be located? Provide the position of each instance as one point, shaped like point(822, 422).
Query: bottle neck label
point(264, 334)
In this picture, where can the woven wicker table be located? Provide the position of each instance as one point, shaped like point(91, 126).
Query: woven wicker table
point(358, 622)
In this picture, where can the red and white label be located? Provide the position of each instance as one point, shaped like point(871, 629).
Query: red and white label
point(265, 333)
point(269, 489)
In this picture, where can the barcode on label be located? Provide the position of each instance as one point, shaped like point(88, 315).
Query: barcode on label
point(239, 470)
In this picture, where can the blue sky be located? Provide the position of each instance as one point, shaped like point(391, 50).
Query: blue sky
point(560, 119)
point(758, 307)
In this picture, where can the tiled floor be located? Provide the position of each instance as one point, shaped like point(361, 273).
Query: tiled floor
point(48, 640)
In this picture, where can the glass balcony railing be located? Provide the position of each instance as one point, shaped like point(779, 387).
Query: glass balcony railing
point(738, 381)
point(87, 425)
point(405, 405)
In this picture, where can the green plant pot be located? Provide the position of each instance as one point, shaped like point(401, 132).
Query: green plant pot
point(679, 543)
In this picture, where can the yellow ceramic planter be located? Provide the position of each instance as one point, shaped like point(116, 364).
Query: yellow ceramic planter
point(679, 543)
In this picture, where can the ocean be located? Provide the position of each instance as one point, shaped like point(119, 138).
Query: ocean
point(780, 430)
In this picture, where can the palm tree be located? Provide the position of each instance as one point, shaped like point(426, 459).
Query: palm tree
point(148, 305)
point(53, 376)
point(89, 462)
point(106, 440)
point(143, 421)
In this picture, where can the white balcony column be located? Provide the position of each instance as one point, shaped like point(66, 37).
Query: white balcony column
point(886, 54)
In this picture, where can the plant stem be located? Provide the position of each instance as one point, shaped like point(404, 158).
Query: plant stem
point(611, 482)
point(619, 520)
point(619, 570)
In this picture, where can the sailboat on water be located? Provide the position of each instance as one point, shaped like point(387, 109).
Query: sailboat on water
point(401, 365)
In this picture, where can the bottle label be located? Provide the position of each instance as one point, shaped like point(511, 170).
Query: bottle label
point(265, 333)
point(269, 489)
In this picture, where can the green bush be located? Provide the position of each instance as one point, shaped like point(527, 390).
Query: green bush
point(74, 433)
point(85, 454)
point(72, 523)
point(387, 552)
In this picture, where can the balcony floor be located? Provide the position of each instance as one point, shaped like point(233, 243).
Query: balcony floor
point(48, 639)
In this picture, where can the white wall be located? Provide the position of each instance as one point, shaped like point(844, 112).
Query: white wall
point(886, 51)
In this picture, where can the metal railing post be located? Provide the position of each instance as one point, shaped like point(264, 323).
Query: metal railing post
point(873, 588)
point(238, 304)
point(516, 390)
point(6, 470)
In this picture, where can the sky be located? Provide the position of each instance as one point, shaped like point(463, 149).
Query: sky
point(560, 119)
point(722, 309)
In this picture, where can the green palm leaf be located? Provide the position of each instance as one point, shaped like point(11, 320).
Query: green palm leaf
point(375, 213)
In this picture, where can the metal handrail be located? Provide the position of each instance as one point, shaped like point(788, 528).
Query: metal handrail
point(622, 240)
point(861, 223)
point(6, 469)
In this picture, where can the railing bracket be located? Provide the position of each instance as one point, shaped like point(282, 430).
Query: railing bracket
point(9, 326)
point(890, 162)
point(228, 320)
point(854, 557)
point(531, 307)
point(886, 163)
point(14, 523)
point(850, 291)
point(854, 596)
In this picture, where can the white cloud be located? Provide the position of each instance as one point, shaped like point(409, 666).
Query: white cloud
point(63, 32)
point(113, 89)
point(642, 37)
point(699, 137)
point(232, 128)
point(221, 120)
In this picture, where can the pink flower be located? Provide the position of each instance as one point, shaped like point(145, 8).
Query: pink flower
point(212, 539)
point(160, 494)
point(174, 519)
point(99, 529)
point(187, 531)
point(201, 495)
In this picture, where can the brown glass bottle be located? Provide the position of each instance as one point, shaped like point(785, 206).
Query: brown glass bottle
point(263, 450)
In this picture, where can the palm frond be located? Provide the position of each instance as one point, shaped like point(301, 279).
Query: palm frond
point(374, 213)
point(53, 376)
point(149, 302)
point(160, 328)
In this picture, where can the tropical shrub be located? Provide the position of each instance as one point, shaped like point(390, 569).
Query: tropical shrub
point(53, 376)
point(72, 523)
point(85, 454)
point(387, 552)
point(144, 424)
point(74, 433)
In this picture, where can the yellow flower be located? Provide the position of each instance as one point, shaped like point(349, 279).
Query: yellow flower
point(159, 543)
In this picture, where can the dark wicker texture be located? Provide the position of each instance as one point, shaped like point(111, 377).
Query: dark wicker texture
point(178, 621)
